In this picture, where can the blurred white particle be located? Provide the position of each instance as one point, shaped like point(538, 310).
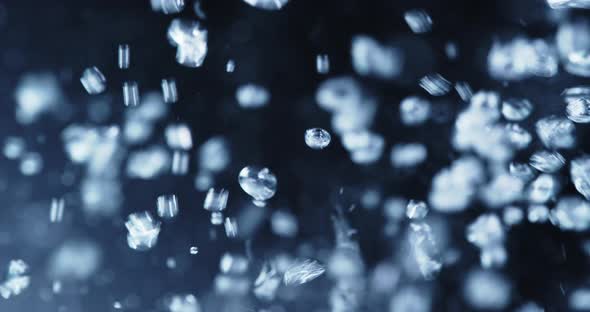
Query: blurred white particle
point(408, 155)
point(556, 132)
point(418, 20)
point(167, 206)
point(464, 90)
point(578, 63)
point(571, 213)
point(580, 299)
point(576, 93)
point(75, 260)
point(180, 162)
point(416, 210)
point(123, 55)
point(260, 183)
point(230, 66)
point(414, 110)
point(216, 202)
point(252, 96)
point(214, 154)
point(365, 147)
point(148, 163)
point(339, 94)
point(580, 175)
point(31, 164)
point(410, 299)
point(516, 109)
point(435, 84)
point(451, 50)
point(231, 227)
point(16, 281)
point(486, 290)
point(521, 58)
point(284, 224)
point(37, 94)
point(190, 39)
point(271, 5)
point(178, 136)
point(424, 249)
point(169, 90)
point(167, 6)
point(182, 303)
point(93, 80)
point(203, 180)
point(233, 263)
point(322, 63)
point(301, 272)
point(517, 136)
point(538, 214)
point(117, 305)
point(512, 215)
point(578, 110)
point(57, 210)
point(543, 188)
point(194, 250)
point(14, 147)
point(485, 231)
point(171, 263)
point(370, 58)
point(561, 4)
point(501, 190)
point(522, 171)
point(130, 93)
point(546, 161)
point(267, 282)
point(142, 230)
point(317, 138)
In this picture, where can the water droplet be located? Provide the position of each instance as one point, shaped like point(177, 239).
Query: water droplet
point(317, 138)
point(260, 183)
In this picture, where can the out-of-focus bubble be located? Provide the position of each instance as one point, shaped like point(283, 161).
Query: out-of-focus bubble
point(142, 231)
point(178, 136)
point(182, 303)
point(579, 299)
point(31, 163)
point(411, 298)
point(556, 132)
point(148, 163)
point(36, 95)
point(271, 5)
point(14, 147)
point(486, 290)
point(233, 263)
point(546, 161)
point(516, 109)
point(512, 215)
point(203, 181)
point(543, 188)
point(252, 96)
point(561, 4)
point(339, 94)
point(152, 108)
point(408, 155)
point(369, 58)
point(414, 110)
point(571, 213)
point(502, 190)
point(517, 136)
point(418, 20)
point(75, 260)
point(365, 147)
point(521, 58)
point(284, 224)
point(180, 162)
point(453, 188)
point(260, 183)
point(214, 155)
point(317, 138)
point(101, 196)
point(485, 231)
point(521, 171)
point(137, 131)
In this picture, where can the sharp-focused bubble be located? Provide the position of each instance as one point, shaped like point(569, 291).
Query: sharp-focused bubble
point(260, 183)
point(317, 138)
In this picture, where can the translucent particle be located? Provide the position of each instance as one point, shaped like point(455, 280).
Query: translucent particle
point(365, 147)
point(571, 213)
point(230, 66)
point(543, 188)
point(301, 272)
point(493, 256)
point(512, 215)
point(414, 110)
point(252, 96)
point(169, 90)
point(451, 50)
point(38, 94)
point(260, 183)
point(178, 136)
point(503, 189)
point(14, 147)
point(578, 63)
point(231, 227)
point(464, 90)
point(214, 154)
point(580, 299)
point(418, 20)
point(271, 5)
point(485, 289)
point(556, 132)
point(317, 138)
point(56, 211)
point(123, 54)
point(75, 260)
point(216, 202)
point(148, 163)
point(180, 162)
point(485, 231)
point(517, 136)
point(575, 93)
point(167, 206)
point(190, 39)
point(546, 161)
point(521, 58)
point(31, 164)
point(182, 303)
point(130, 93)
point(322, 63)
point(416, 209)
point(522, 171)
point(516, 109)
point(370, 58)
point(408, 155)
point(410, 298)
point(580, 175)
point(424, 249)
point(561, 4)
point(142, 231)
point(203, 180)
point(284, 224)
point(339, 94)
point(435, 84)
point(194, 250)
point(578, 110)
point(530, 307)
point(93, 80)
point(16, 279)
point(167, 6)
point(117, 305)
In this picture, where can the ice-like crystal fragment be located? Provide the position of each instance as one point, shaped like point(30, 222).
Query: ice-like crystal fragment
point(486, 290)
point(416, 209)
point(561, 4)
point(435, 84)
point(130, 93)
point(271, 5)
point(123, 56)
point(322, 63)
point(418, 20)
point(169, 90)
point(580, 175)
point(543, 188)
point(216, 202)
point(180, 162)
point(194, 250)
point(556, 132)
point(93, 80)
point(512, 215)
point(578, 110)
point(464, 90)
point(252, 96)
point(142, 230)
point(408, 155)
point(16, 280)
point(317, 138)
point(571, 213)
point(486, 231)
point(425, 250)
point(56, 211)
point(231, 227)
point(190, 38)
point(284, 224)
point(302, 272)
point(370, 58)
point(167, 206)
point(414, 110)
point(546, 161)
point(178, 136)
point(167, 6)
point(260, 183)
point(516, 109)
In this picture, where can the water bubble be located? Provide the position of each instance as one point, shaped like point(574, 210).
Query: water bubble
point(317, 138)
point(252, 96)
point(414, 110)
point(260, 183)
point(408, 155)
